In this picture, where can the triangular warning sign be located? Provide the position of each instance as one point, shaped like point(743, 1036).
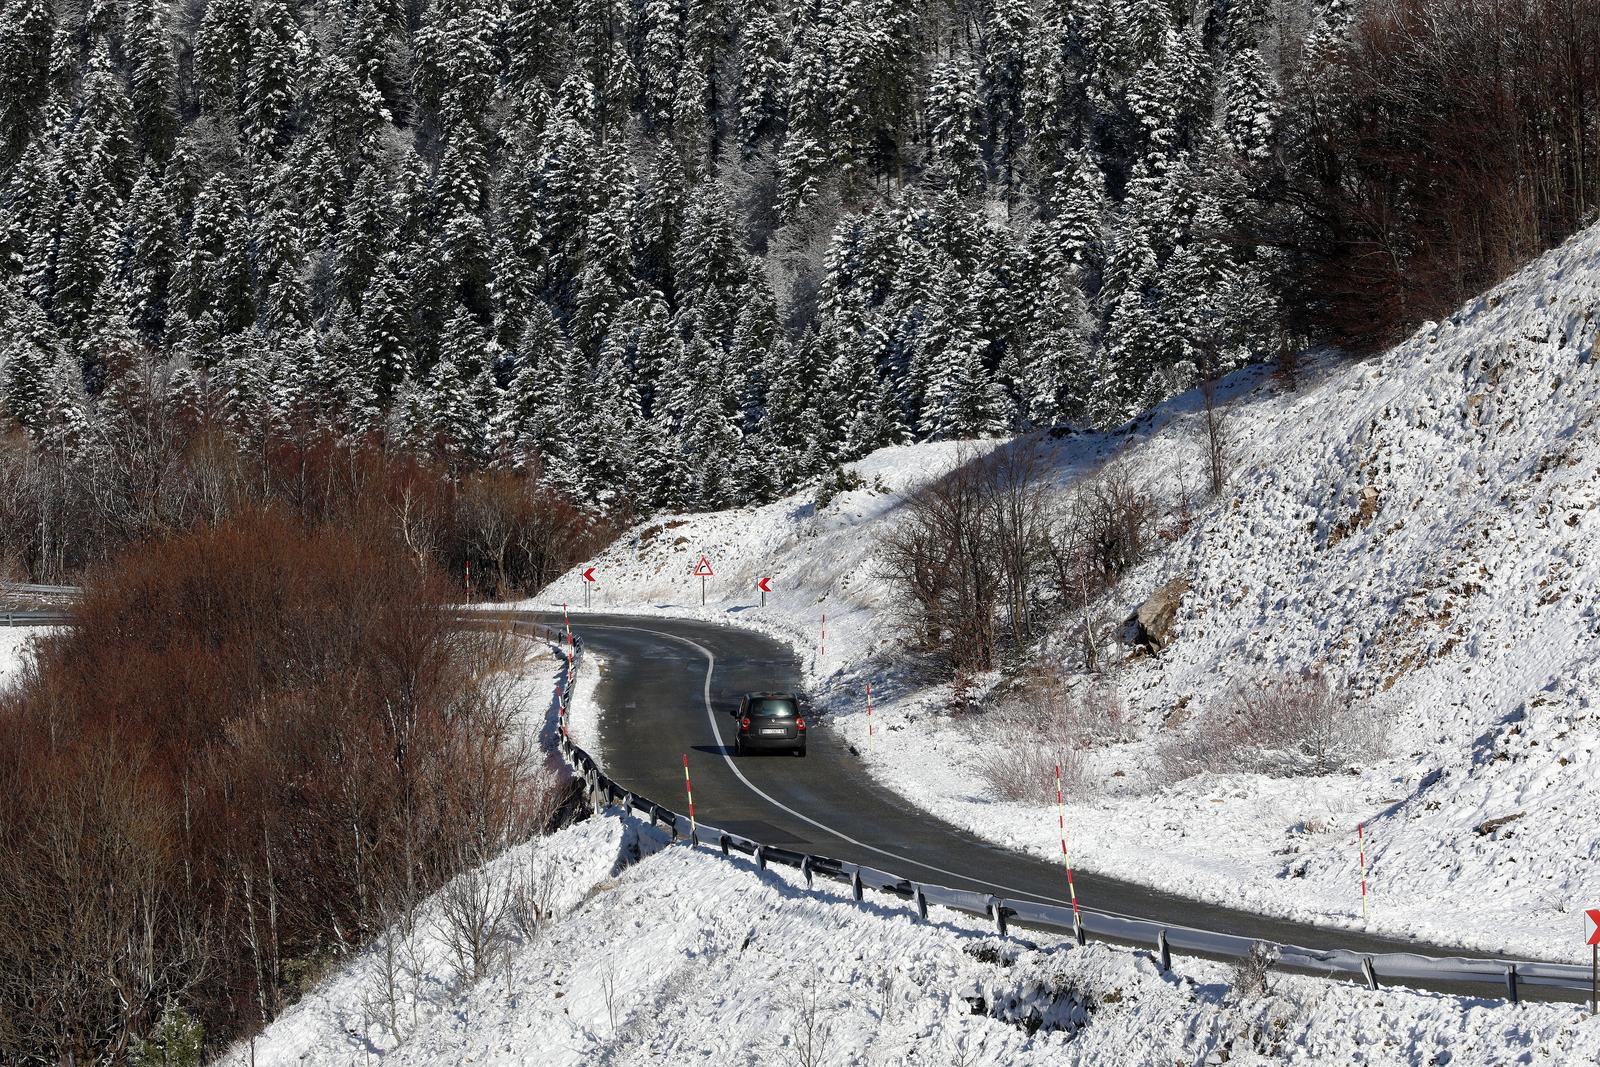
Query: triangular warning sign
point(703, 568)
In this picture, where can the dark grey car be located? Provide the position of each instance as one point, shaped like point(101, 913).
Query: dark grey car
point(770, 721)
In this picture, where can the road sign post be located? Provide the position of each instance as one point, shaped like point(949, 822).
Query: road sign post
point(702, 571)
point(1594, 961)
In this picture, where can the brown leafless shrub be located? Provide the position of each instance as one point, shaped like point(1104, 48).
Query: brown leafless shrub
point(533, 897)
point(259, 743)
point(1280, 726)
point(1249, 974)
point(1425, 177)
point(162, 463)
point(968, 552)
point(1043, 725)
point(810, 1033)
point(474, 905)
point(1101, 531)
point(1216, 436)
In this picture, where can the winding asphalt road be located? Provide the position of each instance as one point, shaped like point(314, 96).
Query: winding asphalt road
point(669, 686)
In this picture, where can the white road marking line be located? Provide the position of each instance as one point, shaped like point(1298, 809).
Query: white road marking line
point(711, 716)
point(711, 661)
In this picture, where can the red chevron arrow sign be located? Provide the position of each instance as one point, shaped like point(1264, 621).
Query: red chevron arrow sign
point(588, 575)
point(763, 586)
point(1594, 917)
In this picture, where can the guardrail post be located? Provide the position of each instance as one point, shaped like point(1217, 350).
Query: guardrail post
point(1079, 934)
point(921, 899)
point(857, 890)
point(723, 841)
point(997, 911)
point(805, 869)
point(761, 857)
point(1511, 983)
point(1369, 972)
point(1163, 951)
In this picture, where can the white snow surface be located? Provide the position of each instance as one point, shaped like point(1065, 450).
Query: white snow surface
point(683, 957)
point(14, 644)
point(1460, 609)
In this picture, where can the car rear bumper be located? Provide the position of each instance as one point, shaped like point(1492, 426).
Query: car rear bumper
point(756, 742)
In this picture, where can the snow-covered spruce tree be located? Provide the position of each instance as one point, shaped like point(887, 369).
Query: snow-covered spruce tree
point(875, 223)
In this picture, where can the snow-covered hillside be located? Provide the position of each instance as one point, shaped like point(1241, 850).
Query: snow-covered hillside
point(1418, 526)
point(681, 958)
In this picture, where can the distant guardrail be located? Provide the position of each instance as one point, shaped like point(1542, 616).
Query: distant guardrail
point(1164, 939)
point(30, 589)
point(35, 618)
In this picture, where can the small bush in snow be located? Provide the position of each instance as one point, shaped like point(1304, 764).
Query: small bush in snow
point(1249, 978)
point(836, 481)
point(1043, 725)
point(1280, 726)
point(810, 1033)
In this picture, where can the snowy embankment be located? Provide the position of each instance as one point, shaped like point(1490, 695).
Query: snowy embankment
point(680, 957)
point(1418, 527)
point(649, 952)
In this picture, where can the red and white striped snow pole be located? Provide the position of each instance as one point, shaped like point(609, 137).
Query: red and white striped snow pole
point(566, 687)
point(870, 735)
point(1361, 852)
point(1066, 858)
point(566, 621)
point(688, 788)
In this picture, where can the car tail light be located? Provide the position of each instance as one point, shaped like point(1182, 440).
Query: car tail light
point(799, 724)
point(744, 723)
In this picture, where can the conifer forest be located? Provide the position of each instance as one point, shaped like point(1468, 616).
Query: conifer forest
point(685, 254)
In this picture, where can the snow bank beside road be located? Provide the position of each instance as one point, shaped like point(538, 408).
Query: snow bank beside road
point(683, 957)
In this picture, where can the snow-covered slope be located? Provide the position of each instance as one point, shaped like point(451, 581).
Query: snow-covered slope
point(820, 559)
point(1419, 526)
point(681, 958)
point(14, 642)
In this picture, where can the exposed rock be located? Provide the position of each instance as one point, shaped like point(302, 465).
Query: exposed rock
point(1366, 508)
point(1153, 622)
point(1489, 826)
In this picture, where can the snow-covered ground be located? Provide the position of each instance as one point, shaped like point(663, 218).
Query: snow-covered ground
point(680, 958)
point(14, 642)
point(650, 952)
point(1419, 527)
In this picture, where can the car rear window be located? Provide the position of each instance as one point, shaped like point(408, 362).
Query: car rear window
point(771, 708)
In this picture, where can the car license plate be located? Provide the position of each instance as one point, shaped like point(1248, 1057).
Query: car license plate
point(772, 733)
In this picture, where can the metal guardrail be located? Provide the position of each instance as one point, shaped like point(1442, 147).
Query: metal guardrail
point(41, 590)
point(1370, 968)
point(35, 617)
